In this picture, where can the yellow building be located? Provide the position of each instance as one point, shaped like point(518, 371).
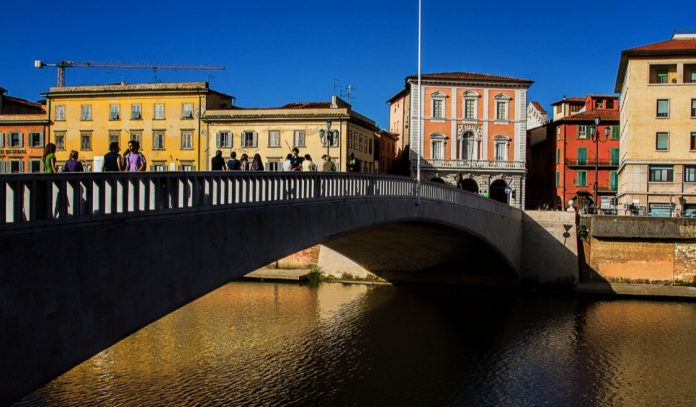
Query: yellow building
point(657, 172)
point(273, 132)
point(164, 117)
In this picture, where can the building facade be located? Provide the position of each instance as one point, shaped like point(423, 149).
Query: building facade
point(23, 127)
point(273, 132)
point(536, 115)
point(386, 152)
point(474, 131)
point(657, 82)
point(165, 118)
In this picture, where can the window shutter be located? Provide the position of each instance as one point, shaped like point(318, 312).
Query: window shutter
point(21, 167)
point(615, 130)
point(21, 139)
point(41, 139)
point(228, 140)
point(2, 166)
point(256, 140)
point(244, 139)
point(217, 140)
point(2, 139)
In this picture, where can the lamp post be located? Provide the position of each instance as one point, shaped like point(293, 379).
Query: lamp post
point(596, 139)
point(328, 136)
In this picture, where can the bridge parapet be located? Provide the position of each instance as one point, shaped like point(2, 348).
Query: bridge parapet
point(29, 200)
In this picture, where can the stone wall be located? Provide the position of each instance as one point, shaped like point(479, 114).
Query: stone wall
point(641, 249)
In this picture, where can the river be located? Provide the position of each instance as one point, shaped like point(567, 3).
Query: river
point(333, 345)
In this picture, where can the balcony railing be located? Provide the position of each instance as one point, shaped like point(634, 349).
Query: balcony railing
point(590, 163)
point(468, 164)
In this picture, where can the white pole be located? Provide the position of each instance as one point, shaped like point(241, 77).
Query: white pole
point(420, 104)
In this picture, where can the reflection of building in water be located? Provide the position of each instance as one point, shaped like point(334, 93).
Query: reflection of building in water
point(333, 297)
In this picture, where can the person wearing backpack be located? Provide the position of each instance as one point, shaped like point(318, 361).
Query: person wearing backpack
point(135, 160)
point(73, 164)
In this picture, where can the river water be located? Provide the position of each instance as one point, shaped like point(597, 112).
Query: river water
point(335, 345)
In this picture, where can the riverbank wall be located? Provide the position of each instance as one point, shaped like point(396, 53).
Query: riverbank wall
point(638, 249)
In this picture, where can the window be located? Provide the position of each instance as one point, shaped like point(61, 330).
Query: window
point(693, 141)
point(187, 166)
point(274, 164)
point(60, 140)
point(137, 136)
point(693, 107)
point(187, 111)
point(662, 107)
point(34, 165)
point(614, 156)
point(85, 112)
point(438, 148)
point(16, 167)
point(274, 138)
point(610, 104)
point(298, 139)
point(159, 111)
point(158, 166)
point(599, 104)
point(86, 141)
point(36, 139)
point(136, 111)
point(158, 139)
point(502, 106)
point(689, 173)
point(582, 155)
point(501, 111)
point(250, 139)
point(15, 139)
point(187, 140)
point(582, 131)
point(662, 141)
point(470, 108)
point(2, 141)
point(558, 179)
point(370, 145)
point(558, 133)
point(465, 146)
point(689, 73)
point(115, 137)
point(661, 173)
point(501, 148)
point(223, 139)
point(558, 156)
point(663, 73)
point(114, 112)
point(438, 108)
point(582, 178)
point(60, 112)
point(613, 181)
point(360, 142)
point(615, 132)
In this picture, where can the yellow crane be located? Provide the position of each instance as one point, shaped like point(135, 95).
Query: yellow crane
point(38, 64)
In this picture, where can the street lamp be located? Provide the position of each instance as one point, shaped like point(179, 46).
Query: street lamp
point(596, 138)
point(328, 136)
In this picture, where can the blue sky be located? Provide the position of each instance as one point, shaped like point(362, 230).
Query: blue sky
point(283, 51)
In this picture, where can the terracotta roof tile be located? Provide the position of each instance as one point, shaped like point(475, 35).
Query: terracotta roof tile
point(538, 107)
point(604, 115)
point(669, 45)
point(572, 99)
point(672, 47)
point(470, 76)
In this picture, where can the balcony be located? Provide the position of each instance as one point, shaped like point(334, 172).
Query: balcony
point(590, 164)
point(470, 164)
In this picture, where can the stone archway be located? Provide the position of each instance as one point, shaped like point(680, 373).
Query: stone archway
point(469, 184)
point(497, 191)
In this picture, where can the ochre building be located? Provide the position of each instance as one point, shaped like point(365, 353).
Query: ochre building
point(273, 132)
point(23, 127)
point(657, 172)
point(165, 118)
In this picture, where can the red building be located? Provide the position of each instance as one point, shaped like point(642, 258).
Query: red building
point(23, 127)
point(565, 155)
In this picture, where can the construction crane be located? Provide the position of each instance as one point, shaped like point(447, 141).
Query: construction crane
point(38, 64)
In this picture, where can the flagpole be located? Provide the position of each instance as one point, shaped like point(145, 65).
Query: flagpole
point(420, 106)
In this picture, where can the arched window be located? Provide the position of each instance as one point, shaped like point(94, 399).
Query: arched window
point(465, 146)
point(501, 147)
point(437, 146)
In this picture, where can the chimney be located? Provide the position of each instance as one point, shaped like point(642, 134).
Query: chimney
point(334, 102)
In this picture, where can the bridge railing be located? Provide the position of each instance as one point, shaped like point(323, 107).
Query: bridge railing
point(35, 199)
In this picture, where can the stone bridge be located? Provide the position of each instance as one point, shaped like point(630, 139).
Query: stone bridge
point(87, 259)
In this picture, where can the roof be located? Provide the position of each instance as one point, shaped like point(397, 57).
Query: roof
point(672, 47)
point(589, 116)
point(537, 106)
point(147, 88)
point(469, 76)
point(571, 100)
point(401, 93)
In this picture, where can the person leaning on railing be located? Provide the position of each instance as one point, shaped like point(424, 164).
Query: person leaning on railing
point(49, 159)
point(112, 159)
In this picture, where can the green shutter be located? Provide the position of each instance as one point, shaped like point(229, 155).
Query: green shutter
point(615, 132)
point(582, 155)
point(614, 179)
point(558, 179)
point(614, 156)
